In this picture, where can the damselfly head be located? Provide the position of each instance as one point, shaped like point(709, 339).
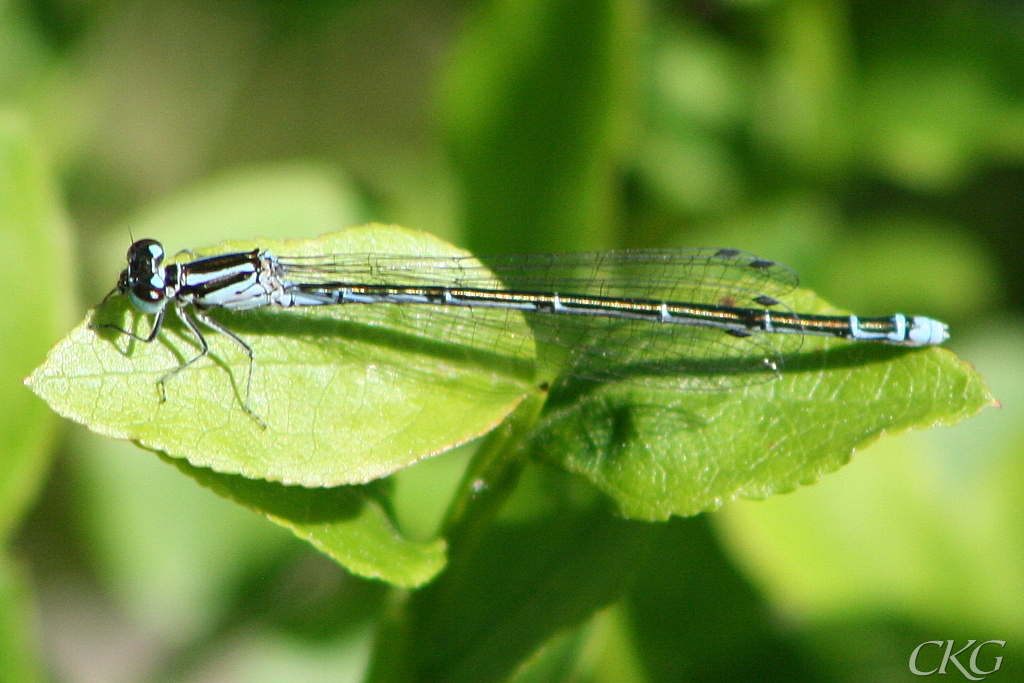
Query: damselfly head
point(143, 280)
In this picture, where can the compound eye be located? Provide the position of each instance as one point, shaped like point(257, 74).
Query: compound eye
point(156, 251)
point(147, 298)
point(147, 293)
point(145, 255)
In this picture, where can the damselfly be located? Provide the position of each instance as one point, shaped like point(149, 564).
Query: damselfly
point(616, 314)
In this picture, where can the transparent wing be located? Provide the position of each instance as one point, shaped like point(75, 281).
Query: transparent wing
point(592, 347)
point(696, 275)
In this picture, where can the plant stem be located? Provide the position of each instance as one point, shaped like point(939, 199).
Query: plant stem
point(489, 480)
point(491, 476)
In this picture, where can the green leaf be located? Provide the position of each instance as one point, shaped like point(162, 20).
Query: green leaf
point(348, 523)
point(38, 277)
point(659, 452)
point(348, 394)
point(925, 528)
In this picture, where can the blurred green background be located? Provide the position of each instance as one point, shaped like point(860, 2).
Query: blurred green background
point(878, 148)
